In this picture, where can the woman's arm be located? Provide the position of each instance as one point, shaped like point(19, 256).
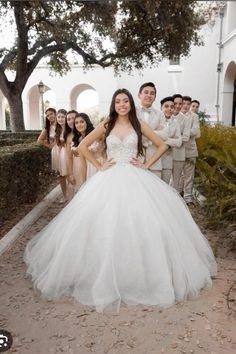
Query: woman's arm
point(82, 169)
point(161, 147)
point(42, 139)
point(96, 134)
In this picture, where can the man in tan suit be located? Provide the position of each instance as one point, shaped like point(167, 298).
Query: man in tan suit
point(152, 117)
point(195, 104)
point(191, 152)
point(179, 152)
point(174, 137)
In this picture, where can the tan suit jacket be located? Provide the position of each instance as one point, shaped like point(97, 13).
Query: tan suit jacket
point(191, 146)
point(154, 120)
point(185, 127)
point(174, 141)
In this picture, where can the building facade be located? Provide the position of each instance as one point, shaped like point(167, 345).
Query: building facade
point(208, 75)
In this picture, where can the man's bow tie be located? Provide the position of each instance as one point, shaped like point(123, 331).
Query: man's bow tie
point(148, 110)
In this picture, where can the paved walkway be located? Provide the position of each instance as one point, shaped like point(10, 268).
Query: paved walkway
point(204, 325)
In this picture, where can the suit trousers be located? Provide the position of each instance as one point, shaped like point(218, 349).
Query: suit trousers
point(177, 172)
point(187, 178)
point(166, 175)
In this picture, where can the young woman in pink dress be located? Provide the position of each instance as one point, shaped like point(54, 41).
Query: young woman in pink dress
point(69, 125)
point(68, 135)
point(47, 135)
point(82, 127)
point(60, 152)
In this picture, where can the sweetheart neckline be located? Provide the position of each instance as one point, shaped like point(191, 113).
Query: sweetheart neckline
point(124, 137)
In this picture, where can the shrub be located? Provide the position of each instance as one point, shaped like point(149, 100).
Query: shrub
point(24, 170)
point(216, 173)
point(203, 117)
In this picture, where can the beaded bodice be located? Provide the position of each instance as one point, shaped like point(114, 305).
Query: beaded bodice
point(122, 150)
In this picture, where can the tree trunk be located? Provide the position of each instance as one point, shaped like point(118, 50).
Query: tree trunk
point(16, 112)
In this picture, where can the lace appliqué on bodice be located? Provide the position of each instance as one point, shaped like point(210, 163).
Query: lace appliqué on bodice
point(122, 150)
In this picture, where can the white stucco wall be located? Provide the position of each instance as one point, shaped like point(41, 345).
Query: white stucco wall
point(228, 75)
point(230, 17)
point(195, 77)
point(101, 80)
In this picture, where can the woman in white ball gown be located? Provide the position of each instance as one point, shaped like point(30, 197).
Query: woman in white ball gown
point(126, 236)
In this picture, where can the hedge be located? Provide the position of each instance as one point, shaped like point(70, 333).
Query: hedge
point(8, 138)
point(24, 171)
point(216, 174)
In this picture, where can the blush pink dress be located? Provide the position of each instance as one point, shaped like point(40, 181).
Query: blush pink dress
point(52, 134)
point(97, 148)
point(59, 157)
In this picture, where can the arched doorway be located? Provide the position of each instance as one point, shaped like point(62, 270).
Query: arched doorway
point(34, 106)
point(84, 98)
point(228, 106)
point(234, 105)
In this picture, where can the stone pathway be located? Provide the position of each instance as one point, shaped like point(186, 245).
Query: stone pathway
point(204, 325)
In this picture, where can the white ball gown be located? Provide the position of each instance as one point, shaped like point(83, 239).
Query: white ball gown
point(126, 237)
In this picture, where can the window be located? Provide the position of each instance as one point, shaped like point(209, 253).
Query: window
point(174, 60)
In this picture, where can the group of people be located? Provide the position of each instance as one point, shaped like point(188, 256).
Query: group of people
point(126, 236)
point(177, 124)
point(62, 134)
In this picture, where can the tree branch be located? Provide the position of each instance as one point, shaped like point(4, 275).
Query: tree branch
point(8, 58)
point(5, 85)
point(44, 52)
point(64, 47)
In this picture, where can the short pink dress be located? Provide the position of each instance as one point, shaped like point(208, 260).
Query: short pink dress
point(59, 157)
point(97, 148)
point(52, 140)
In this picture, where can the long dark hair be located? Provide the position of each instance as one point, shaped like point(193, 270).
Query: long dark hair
point(58, 129)
point(109, 125)
point(47, 122)
point(68, 130)
point(89, 127)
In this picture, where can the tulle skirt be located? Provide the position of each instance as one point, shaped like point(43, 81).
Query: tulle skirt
point(127, 237)
point(91, 169)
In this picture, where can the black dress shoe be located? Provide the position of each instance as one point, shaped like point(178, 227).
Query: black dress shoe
point(191, 205)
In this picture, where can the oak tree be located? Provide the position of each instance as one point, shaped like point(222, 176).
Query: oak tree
point(123, 34)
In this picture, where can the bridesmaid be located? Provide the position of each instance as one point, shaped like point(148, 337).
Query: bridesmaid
point(77, 164)
point(61, 165)
point(69, 125)
point(68, 135)
point(47, 135)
